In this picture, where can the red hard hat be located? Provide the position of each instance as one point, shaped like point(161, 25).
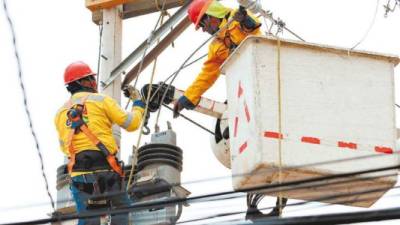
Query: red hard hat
point(197, 9)
point(77, 70)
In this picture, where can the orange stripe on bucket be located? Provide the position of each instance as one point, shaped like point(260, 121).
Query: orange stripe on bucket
point(342, 144)
point(311, 140)
point(270, 134)
point(240, 90)
point(235, 127)
point(246, 110)
point(385, 150)
point(243, 147)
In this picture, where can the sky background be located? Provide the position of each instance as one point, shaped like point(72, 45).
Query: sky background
point(51, 34)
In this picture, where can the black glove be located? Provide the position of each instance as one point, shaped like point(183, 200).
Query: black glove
point(240, 15)
point(246, 22)
point(182, 103)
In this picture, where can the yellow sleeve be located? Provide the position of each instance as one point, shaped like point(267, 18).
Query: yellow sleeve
point(130, 121)
point(210, 72)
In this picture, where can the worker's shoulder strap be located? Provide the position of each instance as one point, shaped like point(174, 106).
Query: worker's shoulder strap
point(82, 100)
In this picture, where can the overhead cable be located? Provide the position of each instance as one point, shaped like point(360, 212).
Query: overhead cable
point(186, 61)
point(320, 199)
point(25, 100)
point(173, 74)
point(270, 170)
point(331, 219)
point(192, 121)
point(369, 27)
point(174, 201)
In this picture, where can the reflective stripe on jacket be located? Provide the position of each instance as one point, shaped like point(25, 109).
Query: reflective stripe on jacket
point(218, 52)
point(101, 113)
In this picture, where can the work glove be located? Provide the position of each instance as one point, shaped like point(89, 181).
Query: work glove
point(240, 15)
point(182, 103)
point(131, 93)
point(246, 22)
point(134, 95)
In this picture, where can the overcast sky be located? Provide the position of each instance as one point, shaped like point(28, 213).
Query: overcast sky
point(51, 34)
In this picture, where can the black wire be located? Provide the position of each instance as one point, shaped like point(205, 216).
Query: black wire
point(270, 170)
point(148, 43)
point(189, 57)
point(320, 199)
point(182, 66)
point(174, 201)
point(99, 55)
point(295, 204)
point(330, 219)
point(25, 100)
point(170, 76)
point(192, 121)
point(298, 204)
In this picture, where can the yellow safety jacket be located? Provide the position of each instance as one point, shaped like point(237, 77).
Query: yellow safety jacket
point(101, 113)
point(218, 52)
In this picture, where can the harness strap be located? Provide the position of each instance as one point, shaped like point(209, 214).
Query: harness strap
point(109, 157)
point(77, 124)
point(228, 42)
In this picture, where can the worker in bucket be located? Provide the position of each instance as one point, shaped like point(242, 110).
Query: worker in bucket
point(84, 126)
point(211, 16)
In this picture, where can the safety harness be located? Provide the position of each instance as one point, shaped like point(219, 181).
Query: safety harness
point(248, 25)
point(77, 124)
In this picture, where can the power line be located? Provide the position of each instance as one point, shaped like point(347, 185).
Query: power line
point(270, 170)
point(320, 199)
point(369, 27)
point(192, 121)
point(174, 201)
point(25, 100)
point(331, 219)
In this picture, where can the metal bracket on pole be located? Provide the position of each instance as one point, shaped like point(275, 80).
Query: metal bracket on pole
point(138, 52)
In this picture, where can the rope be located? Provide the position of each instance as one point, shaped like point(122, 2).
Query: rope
point(181, 2)
point(28, 114)
point(134, 156)
point(148, 44)
point(278, 73)
point(158, 5)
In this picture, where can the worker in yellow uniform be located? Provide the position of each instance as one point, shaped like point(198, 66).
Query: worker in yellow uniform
point(212, 16)
point(84, 125)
